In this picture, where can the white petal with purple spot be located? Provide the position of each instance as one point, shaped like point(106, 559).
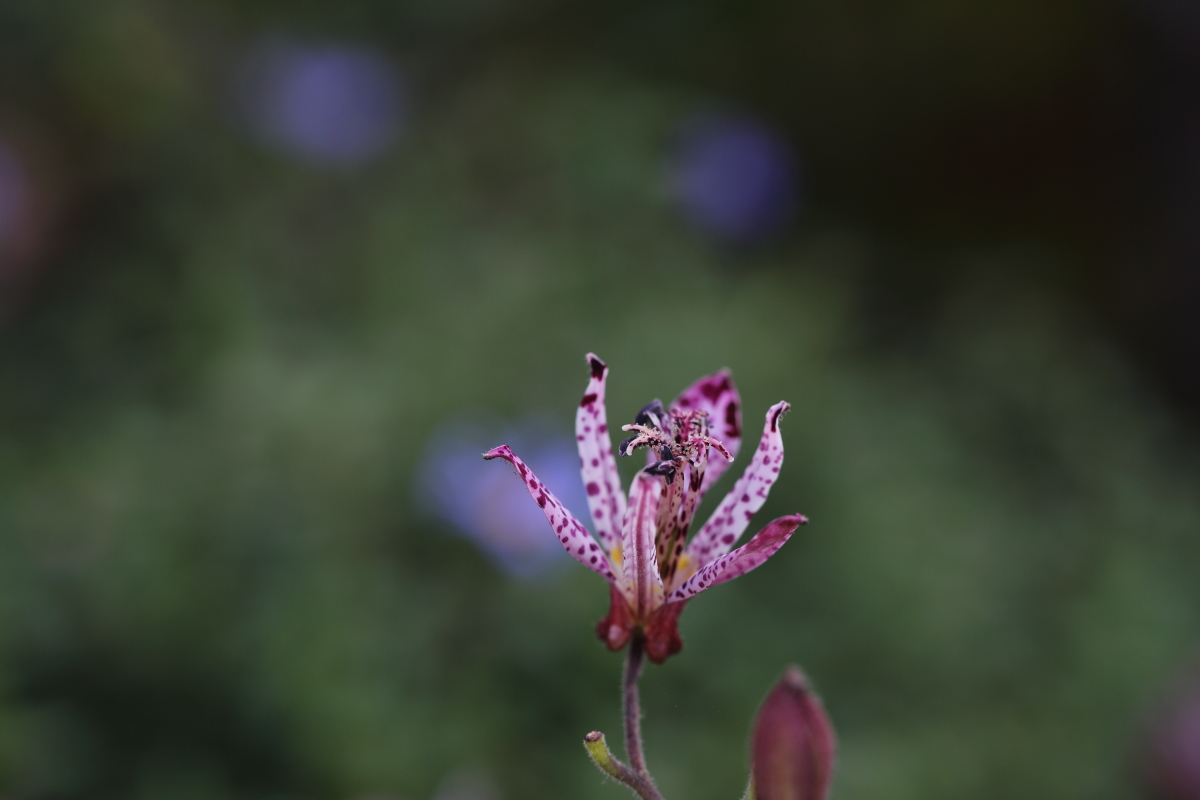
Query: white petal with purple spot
point(606, 500)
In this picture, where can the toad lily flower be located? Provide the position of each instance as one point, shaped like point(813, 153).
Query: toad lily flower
point(641, 544)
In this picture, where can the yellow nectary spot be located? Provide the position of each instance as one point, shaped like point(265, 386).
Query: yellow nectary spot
point(683, 570)
point(617, 555)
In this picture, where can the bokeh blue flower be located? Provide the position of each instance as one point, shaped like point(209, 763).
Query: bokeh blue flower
point(734, 178)
point(331, 104)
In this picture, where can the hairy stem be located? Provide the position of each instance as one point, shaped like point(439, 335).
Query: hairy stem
point(634, 775)
point(633, 720)
point(633, 709)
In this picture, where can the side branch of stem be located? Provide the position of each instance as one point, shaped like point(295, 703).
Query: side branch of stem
point(634, 775)
point(597, 748)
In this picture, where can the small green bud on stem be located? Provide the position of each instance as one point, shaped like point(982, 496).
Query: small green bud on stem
point(597, 748)
point(610, 765)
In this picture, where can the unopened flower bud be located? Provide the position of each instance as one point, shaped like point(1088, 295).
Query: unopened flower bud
point(793, 746)
point(1173, 766)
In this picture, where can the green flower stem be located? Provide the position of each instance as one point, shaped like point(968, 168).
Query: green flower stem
point(597, 748)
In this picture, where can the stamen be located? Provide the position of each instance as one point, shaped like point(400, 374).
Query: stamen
point(652, 414)
point(666, 469)
point(681, 434)
point(715, 445)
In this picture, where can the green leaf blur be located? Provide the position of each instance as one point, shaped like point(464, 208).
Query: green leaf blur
point(218, 383)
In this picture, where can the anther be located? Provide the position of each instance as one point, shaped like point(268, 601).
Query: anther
point(652, 414)
point(664, 468)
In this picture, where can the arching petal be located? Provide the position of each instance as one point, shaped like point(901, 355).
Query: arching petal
point(750, 555)
point(643, 585)
point(575, 538)
point(717, 395)
point(606, 499)
point(730, 519)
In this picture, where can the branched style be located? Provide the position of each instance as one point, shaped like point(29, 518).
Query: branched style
point(641, 544)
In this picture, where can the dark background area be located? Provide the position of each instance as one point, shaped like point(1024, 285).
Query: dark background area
point(272, 273)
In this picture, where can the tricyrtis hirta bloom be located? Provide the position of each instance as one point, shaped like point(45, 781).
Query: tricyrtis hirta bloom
point(641, 546)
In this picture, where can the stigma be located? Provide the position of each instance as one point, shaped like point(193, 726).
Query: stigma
point(677, 436)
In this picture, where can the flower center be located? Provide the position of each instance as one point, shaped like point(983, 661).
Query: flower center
point(675, 436)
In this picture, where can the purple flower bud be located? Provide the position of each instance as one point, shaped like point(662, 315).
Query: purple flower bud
point(793, 747)
point(1174, 763)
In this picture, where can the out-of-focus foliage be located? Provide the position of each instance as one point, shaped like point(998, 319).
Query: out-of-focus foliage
point(219, 377)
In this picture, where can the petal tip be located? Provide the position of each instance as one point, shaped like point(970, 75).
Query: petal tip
point(795, 679)
point(776, 411)
point(597, 366)
point(662, 632)
point(503, 451)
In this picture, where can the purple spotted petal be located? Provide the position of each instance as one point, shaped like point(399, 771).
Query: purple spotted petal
point(674, 533)
point(575, 538)
point(730, 519)
point(606, 499)
point(717, 395)
point(667, 523)
point(696, 474)
point(750, 555)
point(643, 586)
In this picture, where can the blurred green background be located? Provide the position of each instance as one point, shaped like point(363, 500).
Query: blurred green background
point(232, 325)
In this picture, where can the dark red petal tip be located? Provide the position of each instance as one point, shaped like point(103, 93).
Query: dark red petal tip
point(597, 366)
point(793, 745)
point(662, 632)
point(616, 628)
